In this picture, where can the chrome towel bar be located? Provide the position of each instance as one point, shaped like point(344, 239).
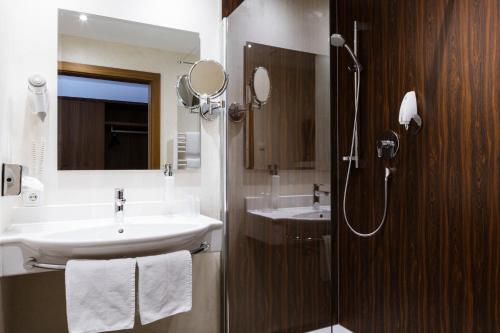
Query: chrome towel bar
point(33, 263)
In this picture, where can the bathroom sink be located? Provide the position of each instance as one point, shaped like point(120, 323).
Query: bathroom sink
point(290, 225)
point(320, 214)
point(295, 213)
point(105, 238)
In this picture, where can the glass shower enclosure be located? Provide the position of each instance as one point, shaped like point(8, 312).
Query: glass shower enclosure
point(280, 274)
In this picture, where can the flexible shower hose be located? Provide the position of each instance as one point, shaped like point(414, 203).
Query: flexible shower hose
point(387, 171)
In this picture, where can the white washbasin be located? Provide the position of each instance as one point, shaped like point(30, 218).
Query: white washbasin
point(295, 213)
point(320, 214)
point(97, 238)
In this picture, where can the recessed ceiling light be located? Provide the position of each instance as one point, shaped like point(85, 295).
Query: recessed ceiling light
point(83, 17)
point(249, 45)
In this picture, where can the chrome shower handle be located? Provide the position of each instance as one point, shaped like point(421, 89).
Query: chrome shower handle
point(387, 145)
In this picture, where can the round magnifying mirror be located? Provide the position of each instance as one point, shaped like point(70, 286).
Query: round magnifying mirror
point(185, 95)
point(261, 85)
point(207, 79)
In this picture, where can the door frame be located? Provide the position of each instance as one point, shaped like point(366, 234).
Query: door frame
point(127, 75)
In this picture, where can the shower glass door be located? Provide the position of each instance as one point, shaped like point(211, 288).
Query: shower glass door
point(280, 271)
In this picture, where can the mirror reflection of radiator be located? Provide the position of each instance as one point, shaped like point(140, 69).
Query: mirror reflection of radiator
point(188, 145)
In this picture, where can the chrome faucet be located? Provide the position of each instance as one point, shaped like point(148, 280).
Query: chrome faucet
point(119, 204)
point(317, 193)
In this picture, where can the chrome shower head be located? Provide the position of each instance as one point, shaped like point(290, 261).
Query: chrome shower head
point(338, 40)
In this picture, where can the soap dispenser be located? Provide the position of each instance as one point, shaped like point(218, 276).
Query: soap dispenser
point(169, 186)
point(275, 185)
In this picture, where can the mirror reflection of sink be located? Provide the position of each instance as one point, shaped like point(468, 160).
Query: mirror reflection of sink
point(295, 213)
point(320, 214)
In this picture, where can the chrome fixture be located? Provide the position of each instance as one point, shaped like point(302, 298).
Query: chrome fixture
point(338, 40)
point(185, 96)
point(317, 193)
point(12, 175)
point(207, 80)
point(387, 145)
point(119, 204)
point(167, 170)
point(33, 263)
point(260, 87)
point(258, 92)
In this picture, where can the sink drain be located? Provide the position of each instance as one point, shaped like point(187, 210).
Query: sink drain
point(120, 231)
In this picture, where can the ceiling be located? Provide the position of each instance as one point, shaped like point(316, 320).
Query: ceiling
point(128, 32)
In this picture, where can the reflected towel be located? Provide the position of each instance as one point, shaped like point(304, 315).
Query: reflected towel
point(193, 162)
point(193, 144)
point(100, 295)
point(165, 285)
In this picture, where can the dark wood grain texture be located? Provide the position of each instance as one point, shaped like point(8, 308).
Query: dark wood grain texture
point(229, 5)
point(282, 131)
point(80, 134)
point(125, 151)
point(435, 265)
point(152, 79)
point(86, 141)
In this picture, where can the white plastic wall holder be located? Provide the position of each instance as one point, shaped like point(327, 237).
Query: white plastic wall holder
point(409, 110)
point(39, 99)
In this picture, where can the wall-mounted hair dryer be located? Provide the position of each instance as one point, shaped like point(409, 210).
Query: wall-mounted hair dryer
point(409, 111)
point(39, 99)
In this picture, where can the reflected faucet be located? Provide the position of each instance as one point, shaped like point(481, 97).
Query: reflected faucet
point(317, 193)
point(119, 204)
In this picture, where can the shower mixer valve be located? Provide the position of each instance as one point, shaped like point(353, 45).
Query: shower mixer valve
point(387, 145)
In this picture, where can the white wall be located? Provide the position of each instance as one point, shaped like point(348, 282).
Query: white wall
point(30, 46)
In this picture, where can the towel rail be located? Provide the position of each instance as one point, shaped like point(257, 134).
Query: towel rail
point(33, 263)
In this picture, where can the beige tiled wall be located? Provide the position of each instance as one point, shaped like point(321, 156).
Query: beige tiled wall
point(36, 303)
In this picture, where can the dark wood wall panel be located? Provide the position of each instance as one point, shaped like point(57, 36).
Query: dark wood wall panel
point(435, 265)
point(80, 134)
point(287, 122)
point(229, 5)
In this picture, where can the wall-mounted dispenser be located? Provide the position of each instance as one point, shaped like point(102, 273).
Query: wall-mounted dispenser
point(275, 185)
point(12, 175)
point(38, 96)
point(409, 110)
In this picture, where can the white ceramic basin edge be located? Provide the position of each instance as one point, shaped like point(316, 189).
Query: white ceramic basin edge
point(62, 240)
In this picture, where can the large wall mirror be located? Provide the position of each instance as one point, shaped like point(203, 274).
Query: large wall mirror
point(118, 106)
point(281, 95)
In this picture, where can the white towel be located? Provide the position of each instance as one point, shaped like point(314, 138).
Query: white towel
point(165, 285)
point(193, 162)
point(100, 295)
point(193, 144)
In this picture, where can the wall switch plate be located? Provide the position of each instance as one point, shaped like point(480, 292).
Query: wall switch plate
point(11, 179)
